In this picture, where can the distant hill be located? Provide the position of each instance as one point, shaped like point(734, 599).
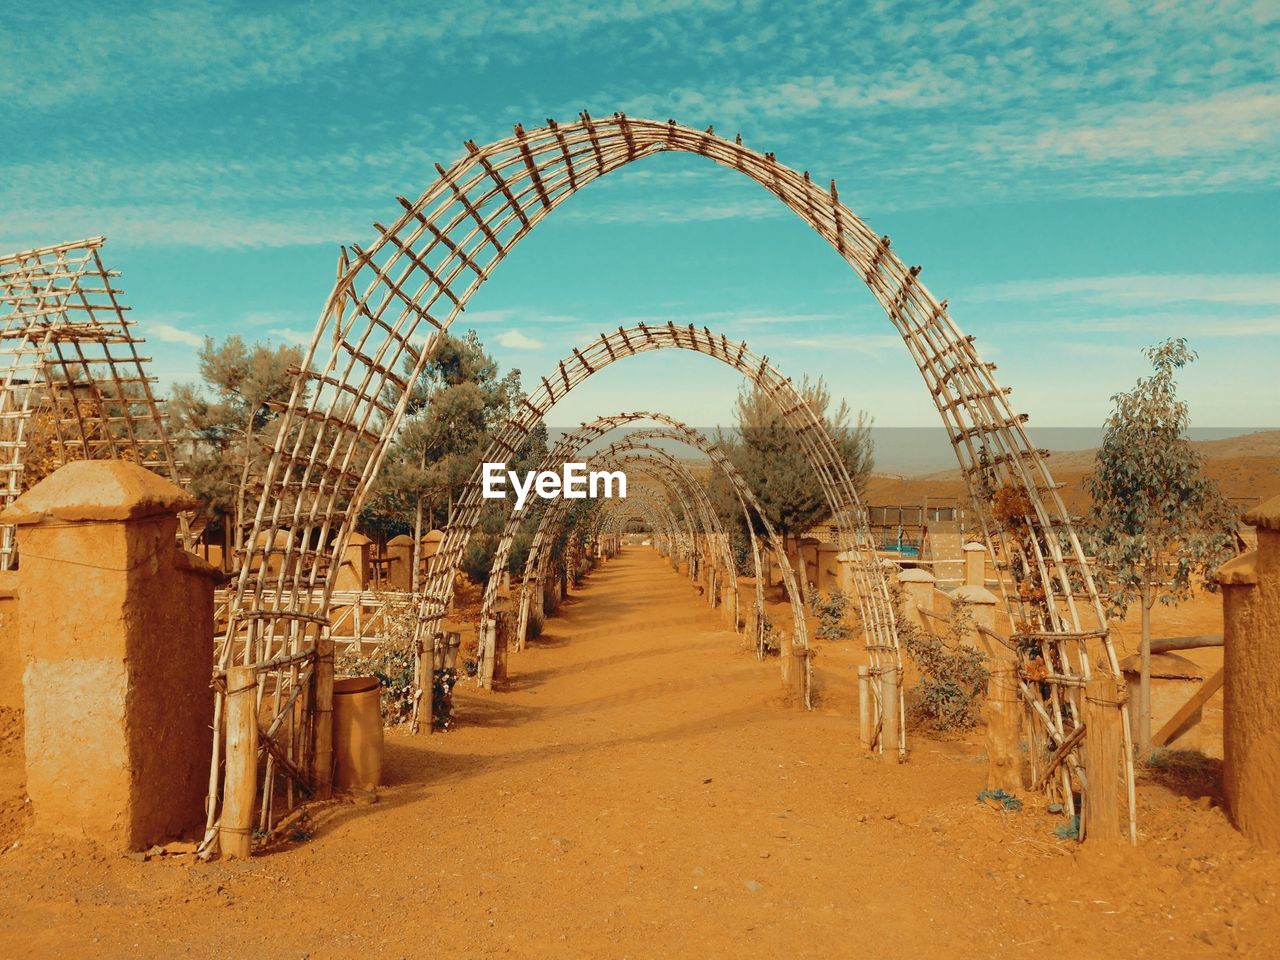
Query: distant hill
point(1246, 467)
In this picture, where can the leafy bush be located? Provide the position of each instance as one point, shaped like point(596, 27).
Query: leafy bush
point(478, 559)
point(953, 675)
point(831, 612)
point(534, 627)
point(772, 641)
point(442, 684)
point(392, 662)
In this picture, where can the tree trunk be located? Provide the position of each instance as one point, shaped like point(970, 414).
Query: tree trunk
point(1144, 682)
point(804, 570)
point(415, 556)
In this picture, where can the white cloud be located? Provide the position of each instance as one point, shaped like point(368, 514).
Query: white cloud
point(516, 340)
point(1226, 121)
point(171, 334)
point(1248, 289)
point(512, 314)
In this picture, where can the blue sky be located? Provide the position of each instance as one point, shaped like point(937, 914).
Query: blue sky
point(1079, 180)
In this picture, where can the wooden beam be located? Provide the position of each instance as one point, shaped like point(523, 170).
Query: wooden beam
point(1198, 699)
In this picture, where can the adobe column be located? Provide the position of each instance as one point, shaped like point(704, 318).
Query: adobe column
point(116, 626)
point(1251, 687)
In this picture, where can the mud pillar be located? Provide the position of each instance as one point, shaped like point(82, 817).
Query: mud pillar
point(865, 711)
point(353, 571)
point(890, 717)
point(116, 630)
point(11, 662)
point(399, 564)
point(975, 565)
point(1251, 685)
point(1002, 711)
point(917, 594)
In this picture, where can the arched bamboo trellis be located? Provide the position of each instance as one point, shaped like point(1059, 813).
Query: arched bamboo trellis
point(876, 608)
point(68, 353)
point(392, 302)
point(643, 441)
point(569, 447)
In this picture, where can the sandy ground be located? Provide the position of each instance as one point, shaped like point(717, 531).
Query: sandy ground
point(639, 791)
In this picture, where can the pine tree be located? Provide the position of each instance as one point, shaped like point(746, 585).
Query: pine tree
point(223, 423)
point(772, 460)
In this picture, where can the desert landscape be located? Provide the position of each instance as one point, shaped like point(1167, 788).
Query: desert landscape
point(639, 782)
point(670, 479)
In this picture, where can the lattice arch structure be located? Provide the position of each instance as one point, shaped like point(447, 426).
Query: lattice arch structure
point(393, 301)
point(830, 472)
point(569, 448)
point(641, 445)
point(70, 366)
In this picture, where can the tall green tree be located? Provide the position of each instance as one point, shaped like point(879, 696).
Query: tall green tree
point(222, 422)
point(455, 403)
point(772, 460)
point(1157, 521)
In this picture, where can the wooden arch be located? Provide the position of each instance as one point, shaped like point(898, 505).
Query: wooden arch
point(393, 301)
point(569, 447)
point(643, 441)
point(873, 592)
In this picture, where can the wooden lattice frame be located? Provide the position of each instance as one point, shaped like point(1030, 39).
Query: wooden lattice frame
point(393, 301)
point(568, 448)
point(874, 595)
point(642, 442)
point(68, 350)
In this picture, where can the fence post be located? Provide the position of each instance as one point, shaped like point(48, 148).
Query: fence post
point(865, 711)
point(890, 727)
point(240, 791)
point(1104, 698)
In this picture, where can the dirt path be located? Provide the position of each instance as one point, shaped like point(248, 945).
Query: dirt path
point(637, 791)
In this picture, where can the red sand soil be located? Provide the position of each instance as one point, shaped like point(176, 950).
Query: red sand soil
point(638, 791)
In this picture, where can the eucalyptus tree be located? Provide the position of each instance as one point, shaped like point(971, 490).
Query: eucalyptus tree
point(1157, 522)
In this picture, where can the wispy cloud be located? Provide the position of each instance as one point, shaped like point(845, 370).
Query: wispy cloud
point(1226, 121)
point(514, 315)
point(291, 335)
point(515, 340)
point(1250, 289)
point(171, 334)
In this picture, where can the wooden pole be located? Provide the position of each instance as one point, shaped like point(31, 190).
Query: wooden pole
point(322, 766)
point(235, 828)
point(864, 708)
point(1144, 680)
point(1103, 746)
point(889, 727)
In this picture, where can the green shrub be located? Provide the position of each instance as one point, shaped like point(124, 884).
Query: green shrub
point(953, 675)
point(832, 613)
point(535, 624)
point(392, 662)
